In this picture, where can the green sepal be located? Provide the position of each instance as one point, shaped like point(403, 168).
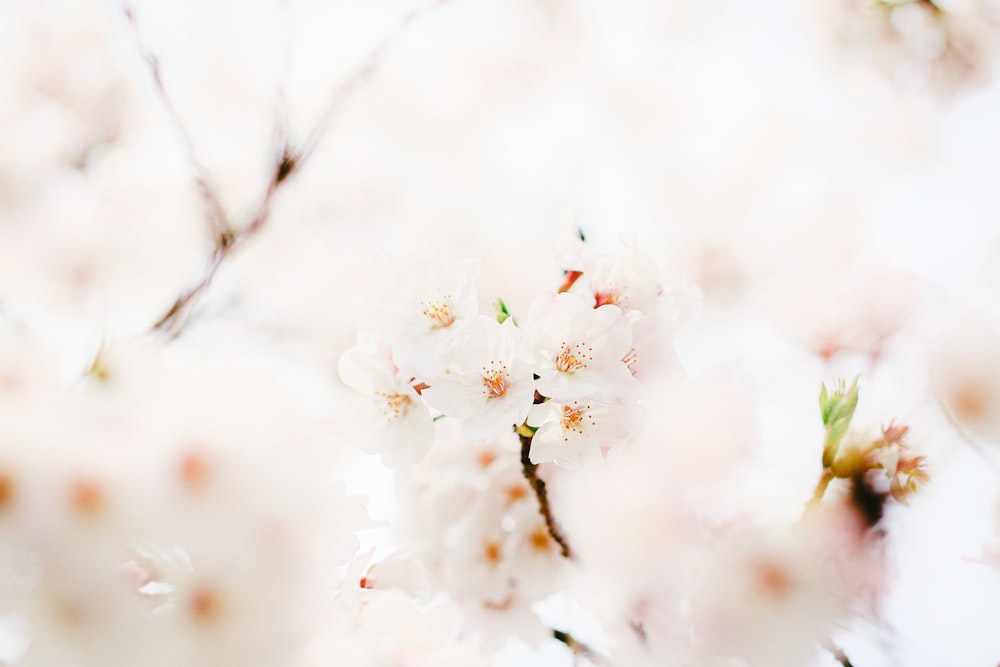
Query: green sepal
point(526, 431)
point(502, 313)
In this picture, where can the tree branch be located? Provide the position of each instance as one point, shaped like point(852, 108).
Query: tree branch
point(538, 485)
point(288, 162)
point(837, 654)
point(217, 218)
point(580, 649)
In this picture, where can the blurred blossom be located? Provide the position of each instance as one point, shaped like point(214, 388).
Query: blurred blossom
point(966, 376)
point(938, 44)
point(471, 518)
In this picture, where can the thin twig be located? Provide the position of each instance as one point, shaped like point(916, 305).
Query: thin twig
point(288, 161)
point(581, 649)
point(538, 485)
point(837, 654)
point(217, 218)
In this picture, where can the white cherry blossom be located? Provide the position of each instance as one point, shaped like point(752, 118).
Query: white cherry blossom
point(579, 350)
point(567, 432)
point(629, 279)
point(652, 359)
point(403, 429)
point(491, 387)
point(419, 309)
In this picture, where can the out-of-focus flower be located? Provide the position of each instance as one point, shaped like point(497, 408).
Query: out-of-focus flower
point(772, 596)
point(376, 627)
point(904, 470)
point(473, 521)
point(965, 374)
point(162, 520)
point(943, 44)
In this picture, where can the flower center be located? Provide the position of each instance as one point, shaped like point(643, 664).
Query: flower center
point(773, 580)
point(439, 312)
point(495, 380)
point(572, 419)
point(573, 358)
point(394, 405)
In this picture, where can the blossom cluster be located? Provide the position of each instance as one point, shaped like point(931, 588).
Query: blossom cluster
point(584, 389)
point(570, 371)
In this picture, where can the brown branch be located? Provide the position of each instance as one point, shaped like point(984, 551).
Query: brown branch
point(837, 654)
point(580, 649)
point(288, 162)
point(176, 315)
point(538, 485)
point(217, 218)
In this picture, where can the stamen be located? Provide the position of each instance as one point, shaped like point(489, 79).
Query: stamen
point(491, 550)
point(495, 380)
point(571, 359)
point(631, 360)
point(439, 312)
point(773, 579)
point(572, 420)
point(393, 405)
point(540, 540)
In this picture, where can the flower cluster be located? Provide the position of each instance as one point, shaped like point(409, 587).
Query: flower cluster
point(470, 522)
point(569, 372)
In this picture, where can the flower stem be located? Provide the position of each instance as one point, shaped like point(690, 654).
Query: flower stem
point(837, 654)
point(821, 485)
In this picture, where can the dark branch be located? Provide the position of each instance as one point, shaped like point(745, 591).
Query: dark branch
point(288, 162)
point(837, 654)
point(579, 648)
point(217, 218)
point(538, 485)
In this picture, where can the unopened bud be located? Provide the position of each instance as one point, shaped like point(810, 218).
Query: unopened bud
point(837, 410)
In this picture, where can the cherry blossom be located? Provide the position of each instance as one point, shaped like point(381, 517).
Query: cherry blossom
point(966, 376)
point(490, 387)
point(630, 280)
point(405, 429)
point(569, 431)
point(419, 309)
point(579, 351)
